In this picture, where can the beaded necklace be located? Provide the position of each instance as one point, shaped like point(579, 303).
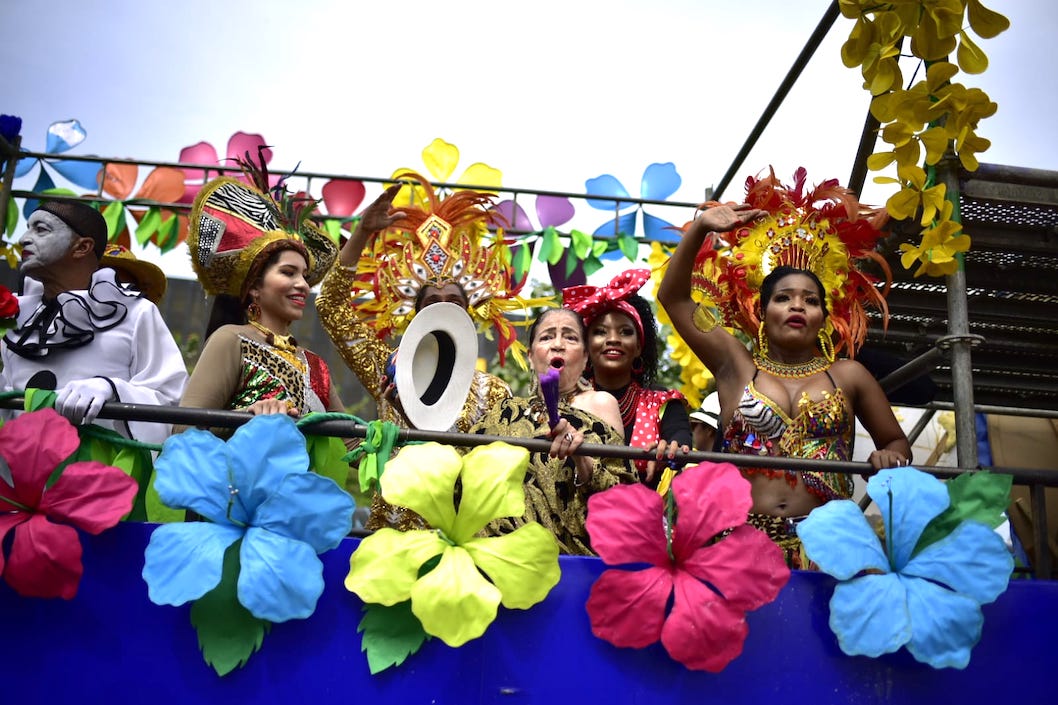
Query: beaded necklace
point(280, 342)
point(798, 370)
point(629, 403)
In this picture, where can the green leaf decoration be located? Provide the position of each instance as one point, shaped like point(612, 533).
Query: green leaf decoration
point(12, 217)
point(523, 260)
point(592, 264)
point(167, 233)
point(571, 262)
point(979, 496)
point(149, 225)
point(581, 243)
point(157, 512)
point(58, 192)
point(390, 635)
point(601, 247)
point(551, 249)
point(37, 399)
point(333, 228)
point(110, 448)
point(629, 246)
point(325, 458)
point(227, 633)
point(113, 214)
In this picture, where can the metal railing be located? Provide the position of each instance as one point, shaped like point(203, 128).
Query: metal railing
point(1035, 478)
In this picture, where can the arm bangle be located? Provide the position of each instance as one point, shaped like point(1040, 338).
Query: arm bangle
point(705, 319)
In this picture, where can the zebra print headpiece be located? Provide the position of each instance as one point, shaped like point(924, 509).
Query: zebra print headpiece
point(234, 227)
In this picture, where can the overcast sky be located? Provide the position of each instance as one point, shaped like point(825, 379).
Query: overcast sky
point(552, 92)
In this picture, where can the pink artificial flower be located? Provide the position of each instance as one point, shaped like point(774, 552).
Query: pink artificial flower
point(239, 145)
point(716, 580)
point(45, 556)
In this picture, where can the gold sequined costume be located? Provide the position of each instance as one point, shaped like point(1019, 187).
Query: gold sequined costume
point(366, 356)
point(551, 497)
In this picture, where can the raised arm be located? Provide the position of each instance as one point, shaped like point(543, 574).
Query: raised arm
point(718, 350)
point(375, 218)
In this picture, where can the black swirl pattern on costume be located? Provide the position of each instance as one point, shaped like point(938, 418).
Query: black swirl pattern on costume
point(70, 320)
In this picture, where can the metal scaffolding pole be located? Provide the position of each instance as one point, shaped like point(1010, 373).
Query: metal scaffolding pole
point(9, 151)
point(959, 338)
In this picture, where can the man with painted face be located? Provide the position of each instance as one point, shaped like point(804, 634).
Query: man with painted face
point(82, 334)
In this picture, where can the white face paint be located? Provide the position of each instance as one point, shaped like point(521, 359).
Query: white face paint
point(46, 241)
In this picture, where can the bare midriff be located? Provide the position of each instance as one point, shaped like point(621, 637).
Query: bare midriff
point(775, 496)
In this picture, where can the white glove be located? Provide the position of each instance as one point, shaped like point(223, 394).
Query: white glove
point(81, 399)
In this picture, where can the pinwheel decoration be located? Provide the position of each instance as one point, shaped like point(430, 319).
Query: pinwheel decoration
point(440, 159)
point(62, 136)
point(659, 182)
point(564, 263)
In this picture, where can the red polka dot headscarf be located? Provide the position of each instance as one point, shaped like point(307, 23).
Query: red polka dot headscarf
point(593, 301)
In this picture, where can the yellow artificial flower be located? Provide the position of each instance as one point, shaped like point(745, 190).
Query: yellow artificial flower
point(984, 22)
point(970, 57)
point(440, 159)
point(457, 598)
point(937, 251)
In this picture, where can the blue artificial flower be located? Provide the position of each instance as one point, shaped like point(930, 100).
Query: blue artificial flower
point(889, 596)
point(10, 126)
point(256, 487)
point(62, 136)
point(659, 182)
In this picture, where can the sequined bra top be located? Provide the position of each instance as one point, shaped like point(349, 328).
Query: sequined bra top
point(822, 429)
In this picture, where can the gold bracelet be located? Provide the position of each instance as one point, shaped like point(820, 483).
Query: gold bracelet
point(705, 319)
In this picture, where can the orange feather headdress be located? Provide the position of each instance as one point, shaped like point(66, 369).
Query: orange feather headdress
point(824, 230)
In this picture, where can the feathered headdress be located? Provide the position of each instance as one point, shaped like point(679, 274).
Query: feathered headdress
point(825, 231)
point(234, 226)
point(445, 240)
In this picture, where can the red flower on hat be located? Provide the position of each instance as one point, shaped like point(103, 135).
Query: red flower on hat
point(45, 555)
point(8, 304)
point(716, 580)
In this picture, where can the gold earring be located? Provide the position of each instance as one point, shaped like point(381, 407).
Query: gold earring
point(762, 341)
point(826, 344)
point(253, 311)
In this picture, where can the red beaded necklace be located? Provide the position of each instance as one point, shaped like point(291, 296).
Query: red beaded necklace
point(629, 403)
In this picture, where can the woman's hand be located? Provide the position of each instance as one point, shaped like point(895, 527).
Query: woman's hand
point(664, 453)
point(272, 406)
point(378, 215)
point(723, 218)
point(881, 459)
point(375, 217)
point(388, 391)
point(565, 440)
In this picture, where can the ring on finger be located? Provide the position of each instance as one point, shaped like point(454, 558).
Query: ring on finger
point(568, 437)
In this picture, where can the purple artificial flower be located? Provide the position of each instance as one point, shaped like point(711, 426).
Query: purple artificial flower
point(549, 388)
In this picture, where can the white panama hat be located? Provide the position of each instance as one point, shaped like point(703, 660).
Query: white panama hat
point(709, 411)
point(435, 366)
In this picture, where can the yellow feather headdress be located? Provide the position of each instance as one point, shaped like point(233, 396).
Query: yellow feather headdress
point(825, 231)
point(445, 240)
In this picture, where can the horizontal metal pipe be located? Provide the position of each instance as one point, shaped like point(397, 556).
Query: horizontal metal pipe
point(630, 200)
point(350, 429)
point(997, 410)
point(904, 374)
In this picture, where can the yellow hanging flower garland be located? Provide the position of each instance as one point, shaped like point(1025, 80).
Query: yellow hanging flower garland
point(932, 115)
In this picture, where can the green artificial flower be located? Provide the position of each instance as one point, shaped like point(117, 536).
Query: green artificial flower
point(455, 578)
